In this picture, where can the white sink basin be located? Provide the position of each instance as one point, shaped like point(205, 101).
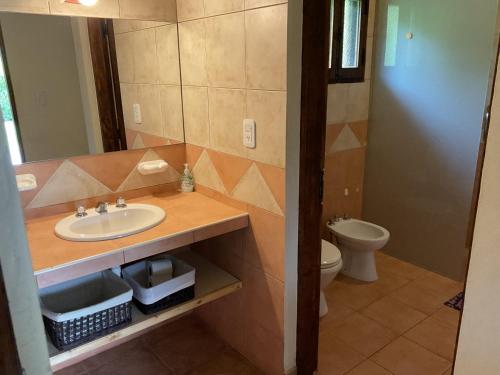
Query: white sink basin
point(116, 223)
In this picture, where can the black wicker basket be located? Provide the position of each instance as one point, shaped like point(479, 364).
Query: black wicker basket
point(167, 302)
point(71, 333)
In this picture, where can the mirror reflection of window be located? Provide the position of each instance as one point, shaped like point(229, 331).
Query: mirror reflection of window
point(8, 117)
point(351, 33)
point(391, 40)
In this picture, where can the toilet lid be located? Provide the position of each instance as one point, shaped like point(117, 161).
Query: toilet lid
point(330, 254)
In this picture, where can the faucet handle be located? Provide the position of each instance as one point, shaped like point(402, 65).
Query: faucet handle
point(80, 211)
point(120, 202)
point(102, 207)
point(346, 217)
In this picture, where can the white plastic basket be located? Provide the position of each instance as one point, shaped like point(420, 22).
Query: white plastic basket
point(137, 276)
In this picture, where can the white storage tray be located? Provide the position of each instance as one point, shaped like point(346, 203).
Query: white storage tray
point(137, 276)
point(84, 296)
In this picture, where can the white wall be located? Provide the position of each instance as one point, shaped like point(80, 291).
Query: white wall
point(18, 274)
point(479, 344)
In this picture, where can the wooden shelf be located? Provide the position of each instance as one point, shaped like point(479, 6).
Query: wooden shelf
point(212, 283)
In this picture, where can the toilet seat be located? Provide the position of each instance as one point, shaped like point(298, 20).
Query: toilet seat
point(330, 255)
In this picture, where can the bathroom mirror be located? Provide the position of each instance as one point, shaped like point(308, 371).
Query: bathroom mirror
point(74, 86)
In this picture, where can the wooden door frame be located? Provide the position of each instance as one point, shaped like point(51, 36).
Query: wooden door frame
point(314, 93)
point(9, 359)
point(107, 83)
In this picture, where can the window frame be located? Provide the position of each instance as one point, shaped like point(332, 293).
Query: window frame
point(336, 73)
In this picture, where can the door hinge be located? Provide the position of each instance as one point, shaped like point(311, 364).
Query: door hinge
point(321, 185)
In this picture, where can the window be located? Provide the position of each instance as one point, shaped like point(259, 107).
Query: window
point(8, 110)
point(348, 28)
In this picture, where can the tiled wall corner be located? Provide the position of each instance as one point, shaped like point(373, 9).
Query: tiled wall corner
point(346, 140)
point(61, 183)
point(233, 62)
point(148, 65)
point(345, 152)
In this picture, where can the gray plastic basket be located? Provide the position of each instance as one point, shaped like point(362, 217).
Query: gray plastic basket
point(81, 310)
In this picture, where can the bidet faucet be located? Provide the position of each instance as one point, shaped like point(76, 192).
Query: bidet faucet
point(102, 208)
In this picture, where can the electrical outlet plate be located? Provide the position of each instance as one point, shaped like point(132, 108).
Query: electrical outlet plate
point(249, 133)
point(137, 113)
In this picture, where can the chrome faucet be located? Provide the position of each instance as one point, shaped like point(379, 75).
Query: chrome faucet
point(120, 202)
point(80, 211)
point(102, 208)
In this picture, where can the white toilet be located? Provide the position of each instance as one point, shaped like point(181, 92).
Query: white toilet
point(331, 264)
point(358, 240)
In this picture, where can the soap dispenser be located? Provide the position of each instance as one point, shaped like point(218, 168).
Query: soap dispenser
point(187, 180)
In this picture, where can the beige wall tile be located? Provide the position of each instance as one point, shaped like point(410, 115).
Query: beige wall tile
point(189, 9)
point(215, 7)
point(348, 102)
point(268, 109)
point(145, 58)
point(266, 31)
point(148, 97)
point(136, 55)
point(227, 111)
point(171, 109)
point(68, 183)
point(125, 26)
point(160, 10)
point(226, 50)
point(103, 9)
point(253, 189)
point(136, 180)
point(205, 174)
point(192, 41)
point(125, 56)
point(249, 4)
point(30, 6)
point(167, 49)
point(196, 123)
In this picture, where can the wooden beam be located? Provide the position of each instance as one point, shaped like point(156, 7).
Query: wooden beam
point(316, 19)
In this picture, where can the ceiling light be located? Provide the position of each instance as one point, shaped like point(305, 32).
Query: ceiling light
point(87, 3)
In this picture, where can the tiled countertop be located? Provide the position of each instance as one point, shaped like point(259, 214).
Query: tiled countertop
point(190, 218)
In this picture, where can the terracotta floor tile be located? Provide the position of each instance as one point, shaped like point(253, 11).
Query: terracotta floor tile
point(184, 350)
point(337, 313)
point(393, 314)
point(440, 285)
point(229, 362)
point(363, 334)
point(403, 357)
point(398, 267)
point(389, 282)
point(140, 361)
point(419, 298)
point(335, 357)
point(368, 368)
point(78, 369)
point(112, 355)
point(448, 315)
point(435, 336)
point(352, 293)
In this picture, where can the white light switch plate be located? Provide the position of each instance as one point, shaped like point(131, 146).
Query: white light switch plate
point(249, 133)
point(137, 113)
